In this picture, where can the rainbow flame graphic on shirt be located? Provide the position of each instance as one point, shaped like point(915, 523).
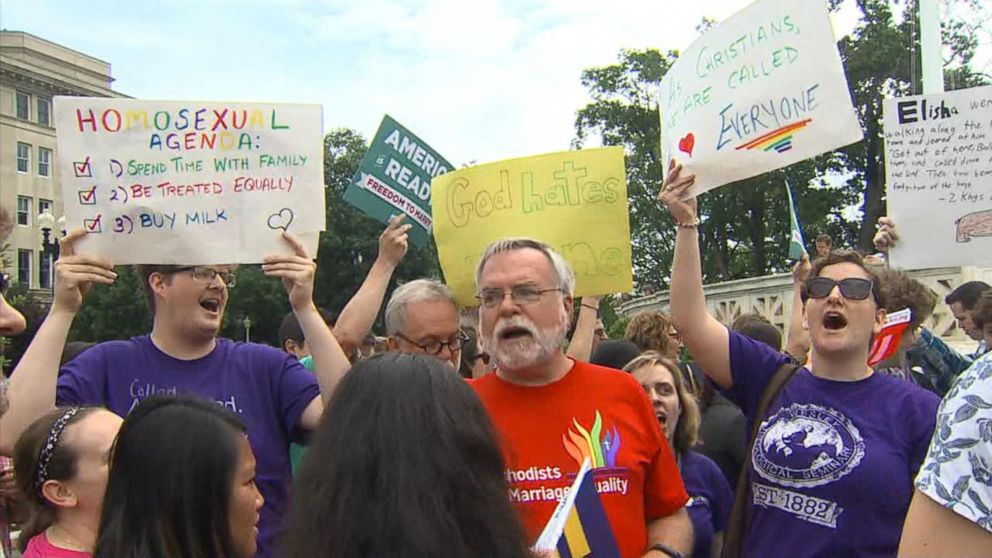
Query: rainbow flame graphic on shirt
point(599, 447)
point(779, 140)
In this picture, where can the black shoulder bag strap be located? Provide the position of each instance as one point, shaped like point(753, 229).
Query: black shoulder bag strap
point(733, 539)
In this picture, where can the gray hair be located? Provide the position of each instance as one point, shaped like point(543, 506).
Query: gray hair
point(419, 290)
point(565, 277)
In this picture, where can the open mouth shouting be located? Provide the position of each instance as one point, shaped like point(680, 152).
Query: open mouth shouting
point(211, 304)
point(834, 321)
point(515, 330)
point(662, 416)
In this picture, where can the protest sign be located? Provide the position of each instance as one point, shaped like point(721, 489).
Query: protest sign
point(176, 182)
point(576, 201)
point(762, 90)
point(395, 176)
point(938, 177)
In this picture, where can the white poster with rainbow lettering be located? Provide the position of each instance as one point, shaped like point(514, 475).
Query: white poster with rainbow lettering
point(188, 182)
point(762, 90)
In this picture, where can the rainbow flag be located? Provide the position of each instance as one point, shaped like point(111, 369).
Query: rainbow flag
point(579, 528)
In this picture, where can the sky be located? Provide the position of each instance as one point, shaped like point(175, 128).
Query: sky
point(478, 80)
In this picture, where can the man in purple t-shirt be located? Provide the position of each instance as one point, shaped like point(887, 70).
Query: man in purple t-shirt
point(832, 467)
point(272, 392)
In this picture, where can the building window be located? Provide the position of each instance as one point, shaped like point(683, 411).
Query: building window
point(24, 267)
point(23, 157)
point(22, 102)
point(44, 111)
point(44, 162)
point(23, 210)
point(44, 269)
point(44, 205)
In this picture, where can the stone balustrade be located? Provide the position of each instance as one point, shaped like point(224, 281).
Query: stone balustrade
point(771, 296)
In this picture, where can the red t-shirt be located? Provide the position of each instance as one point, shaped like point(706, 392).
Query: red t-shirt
point(547, 432)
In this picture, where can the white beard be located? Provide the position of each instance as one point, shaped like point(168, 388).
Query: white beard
point(525, 352)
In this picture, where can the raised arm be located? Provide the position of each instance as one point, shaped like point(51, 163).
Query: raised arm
point(31, 392)
point(355, 321)
point(705, 337)
point(580, 346)
point(330, 363)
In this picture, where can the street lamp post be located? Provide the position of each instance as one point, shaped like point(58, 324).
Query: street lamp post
point(247, 323)
point(49, 244)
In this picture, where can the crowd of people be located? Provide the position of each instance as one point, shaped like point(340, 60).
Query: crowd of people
point(460, 438)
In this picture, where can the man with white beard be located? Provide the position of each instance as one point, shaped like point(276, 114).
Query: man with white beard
point(552, 412)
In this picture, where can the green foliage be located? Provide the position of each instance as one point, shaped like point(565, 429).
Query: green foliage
point(878, 61)
point(262, 300)
point(117, 311)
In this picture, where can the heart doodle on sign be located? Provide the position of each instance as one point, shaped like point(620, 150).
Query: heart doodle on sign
point(687, 143)
point(281, 220)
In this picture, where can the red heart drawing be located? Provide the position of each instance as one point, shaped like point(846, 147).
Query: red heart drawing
point(687, 143)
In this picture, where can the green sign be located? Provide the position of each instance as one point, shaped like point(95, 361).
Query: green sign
point(395, 177)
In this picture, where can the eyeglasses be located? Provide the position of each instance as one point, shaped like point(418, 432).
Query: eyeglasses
point(4, 283)
point(853, 288)
point(207, 274)
point(434, 347)
point(520, 294)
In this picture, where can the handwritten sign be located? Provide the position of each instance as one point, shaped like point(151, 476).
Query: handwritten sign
point(938, 177)
point(169, 182)
point(761, 91)
point(576, 201)
point(395, 176)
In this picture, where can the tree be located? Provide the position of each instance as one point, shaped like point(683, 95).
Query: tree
point(117, 311)
point(879, 63)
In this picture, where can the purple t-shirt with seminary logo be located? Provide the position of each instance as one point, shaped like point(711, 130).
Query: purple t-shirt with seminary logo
point(833, 465)
point(269, 389)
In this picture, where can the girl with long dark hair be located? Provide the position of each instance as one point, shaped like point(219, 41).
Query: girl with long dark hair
point(182, 483)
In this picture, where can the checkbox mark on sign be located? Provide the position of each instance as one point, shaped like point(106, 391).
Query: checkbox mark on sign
point(93, 225)
point(87, 197)
point(82, 169)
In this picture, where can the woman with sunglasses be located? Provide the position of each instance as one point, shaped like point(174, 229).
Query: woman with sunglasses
point(832, 466)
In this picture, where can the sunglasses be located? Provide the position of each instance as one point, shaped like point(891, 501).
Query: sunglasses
point(852, 288)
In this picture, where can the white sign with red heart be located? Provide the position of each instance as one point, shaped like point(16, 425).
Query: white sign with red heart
point(762, 90)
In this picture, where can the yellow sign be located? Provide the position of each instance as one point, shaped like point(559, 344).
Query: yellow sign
point(576, 201)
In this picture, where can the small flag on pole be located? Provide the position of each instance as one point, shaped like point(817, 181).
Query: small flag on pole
point(797, 246)
point(578, 528)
